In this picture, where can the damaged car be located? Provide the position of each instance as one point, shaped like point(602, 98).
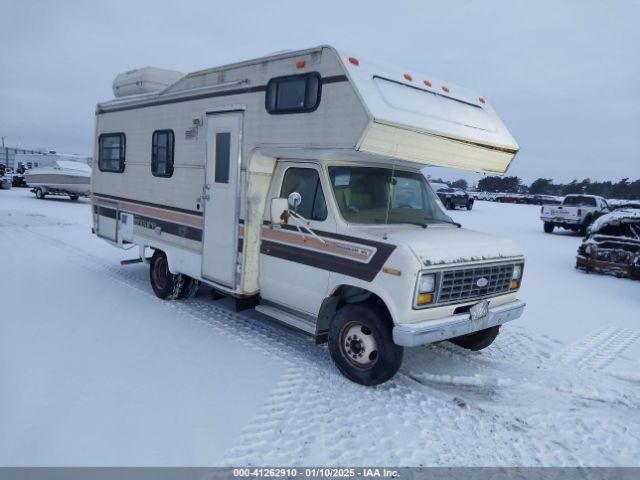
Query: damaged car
point(612, 245)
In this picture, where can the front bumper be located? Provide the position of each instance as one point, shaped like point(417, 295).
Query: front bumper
point(422, 333)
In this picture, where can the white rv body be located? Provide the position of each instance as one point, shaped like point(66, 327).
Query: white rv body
point(213, 219)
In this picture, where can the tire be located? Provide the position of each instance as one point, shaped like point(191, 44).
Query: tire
point(449, 205)
point(189, 288)
point(361, 344)
point(583, 228)
point(469, 205)
point(40, 194)
point(166, 285)
point(73, 197)
point(548, 227)
point(477, 340)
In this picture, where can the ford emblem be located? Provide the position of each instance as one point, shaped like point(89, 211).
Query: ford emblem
point(482, 282)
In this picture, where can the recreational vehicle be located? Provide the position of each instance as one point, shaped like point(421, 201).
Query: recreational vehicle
point(293, 184)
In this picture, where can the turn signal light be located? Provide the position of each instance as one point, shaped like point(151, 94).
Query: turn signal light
point(425, 298)
point(354, 61)
point(514, 284)
point(301, 64)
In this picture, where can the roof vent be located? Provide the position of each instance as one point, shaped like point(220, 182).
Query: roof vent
point(144, 80)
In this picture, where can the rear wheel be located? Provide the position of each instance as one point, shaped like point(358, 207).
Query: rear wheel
point(166, 285)
point(189, 288)
point(449, 205)
point(548, 227)
point(74, 197)
point(477, 340)
point(40, 193)
point(585, 225)
point(469, 205)
point(361, 344)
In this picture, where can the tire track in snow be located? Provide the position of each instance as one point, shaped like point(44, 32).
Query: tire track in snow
point(598, 349)
point(314, 413)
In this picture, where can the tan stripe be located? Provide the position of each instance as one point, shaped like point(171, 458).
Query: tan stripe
point(334, 247)
point(159, 213)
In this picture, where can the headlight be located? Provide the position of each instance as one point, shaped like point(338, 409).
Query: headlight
point(427, 283)
point(516, 276)
point(426, 286)
point(517, 272)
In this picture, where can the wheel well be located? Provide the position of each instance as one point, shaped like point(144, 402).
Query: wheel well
point(346, 294)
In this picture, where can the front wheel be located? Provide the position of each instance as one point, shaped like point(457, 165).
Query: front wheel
point(166, 285)
point(40, 193)
point(477, 340)
point(469, 205)
point(548, 227)
point(449, 205)
point(361, 344)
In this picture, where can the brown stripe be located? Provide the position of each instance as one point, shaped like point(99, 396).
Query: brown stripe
point(106, 197)
point(225, 93)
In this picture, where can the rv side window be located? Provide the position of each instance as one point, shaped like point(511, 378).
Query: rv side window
point(111, 152)
point(162, 147)
point(306, 182)
point(293, 93)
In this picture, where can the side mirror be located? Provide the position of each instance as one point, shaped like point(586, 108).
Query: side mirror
point(294, 200)
point(279, 208)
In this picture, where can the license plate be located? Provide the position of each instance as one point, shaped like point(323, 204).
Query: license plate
point(479, 311)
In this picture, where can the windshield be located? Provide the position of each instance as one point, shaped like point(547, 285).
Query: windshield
point(579, 201)
point(364, 194)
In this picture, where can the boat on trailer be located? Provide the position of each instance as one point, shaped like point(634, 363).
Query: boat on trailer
point(64, 177)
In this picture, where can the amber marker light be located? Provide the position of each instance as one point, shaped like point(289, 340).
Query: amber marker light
point(408, 77)
point(482, 100)
point(301, 64)
point(425, 298)
point(354, 61)
point(427, 83)
point(392, 271)
point(445, 89)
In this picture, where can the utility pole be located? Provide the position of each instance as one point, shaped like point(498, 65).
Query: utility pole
point(3, 141)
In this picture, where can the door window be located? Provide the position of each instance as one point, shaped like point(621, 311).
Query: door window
point(223, 157)
point(306, 182)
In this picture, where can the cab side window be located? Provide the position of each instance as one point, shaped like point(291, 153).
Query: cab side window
point(306, 182)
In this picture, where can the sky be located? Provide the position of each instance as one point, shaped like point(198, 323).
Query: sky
point(563, 76)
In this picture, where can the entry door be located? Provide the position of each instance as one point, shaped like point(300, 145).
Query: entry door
point(220, 198)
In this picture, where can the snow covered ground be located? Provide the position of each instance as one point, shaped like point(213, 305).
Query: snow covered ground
point(95, 370)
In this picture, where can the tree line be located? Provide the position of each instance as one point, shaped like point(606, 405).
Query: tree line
point(623, 189)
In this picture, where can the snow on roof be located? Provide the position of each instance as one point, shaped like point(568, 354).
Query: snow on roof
point(617, 216)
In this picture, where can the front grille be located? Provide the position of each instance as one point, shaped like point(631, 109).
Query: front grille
point(461, 284)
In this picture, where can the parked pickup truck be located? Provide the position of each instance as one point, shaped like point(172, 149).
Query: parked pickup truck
point(452, 198)
point(575, 213)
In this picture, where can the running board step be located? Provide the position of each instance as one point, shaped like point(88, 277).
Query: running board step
point(291, 319)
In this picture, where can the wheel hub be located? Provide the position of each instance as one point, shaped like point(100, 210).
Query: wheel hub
point(360, 345)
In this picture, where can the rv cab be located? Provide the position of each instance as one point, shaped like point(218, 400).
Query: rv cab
point(293, 185)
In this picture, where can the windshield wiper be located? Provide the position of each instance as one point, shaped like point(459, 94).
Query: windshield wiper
point(451, 222)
